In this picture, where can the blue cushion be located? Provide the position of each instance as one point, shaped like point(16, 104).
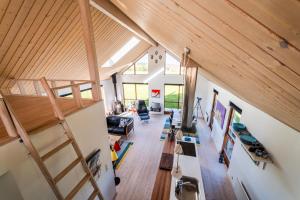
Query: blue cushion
point(144, 117)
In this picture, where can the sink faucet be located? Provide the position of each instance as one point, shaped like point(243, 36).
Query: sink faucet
point(179, 185)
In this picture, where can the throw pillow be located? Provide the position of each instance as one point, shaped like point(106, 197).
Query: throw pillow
point(123, 122)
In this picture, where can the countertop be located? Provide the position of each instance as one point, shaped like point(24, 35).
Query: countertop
point(164, 187)
point(190, 166)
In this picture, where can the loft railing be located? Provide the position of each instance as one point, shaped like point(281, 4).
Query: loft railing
point(59, 87)
point(52, 89)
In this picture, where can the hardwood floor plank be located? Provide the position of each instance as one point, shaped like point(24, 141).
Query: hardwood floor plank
point(139, 168)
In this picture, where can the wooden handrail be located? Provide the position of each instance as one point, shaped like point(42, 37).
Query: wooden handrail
point(35, 79)
point(71, 85)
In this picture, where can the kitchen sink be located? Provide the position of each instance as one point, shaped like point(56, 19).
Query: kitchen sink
point(188, 148)
point(186, 188)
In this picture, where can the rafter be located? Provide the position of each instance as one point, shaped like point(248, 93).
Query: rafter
point(116, 14)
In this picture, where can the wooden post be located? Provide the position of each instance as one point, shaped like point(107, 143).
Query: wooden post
point(37, 88)
point(7, 121)
point(88, 34)
point(76, 94)
point(52, 99)
point(53, 84)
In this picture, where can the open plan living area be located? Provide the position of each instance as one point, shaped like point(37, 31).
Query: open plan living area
point(149, 99)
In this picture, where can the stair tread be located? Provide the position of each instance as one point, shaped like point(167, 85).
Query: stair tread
point(56, 149)
point(77, 187)
point(66, 170)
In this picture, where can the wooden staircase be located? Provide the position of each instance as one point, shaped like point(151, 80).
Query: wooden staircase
point(70, 141)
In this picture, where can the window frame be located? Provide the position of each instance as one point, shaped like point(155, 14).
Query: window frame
point(178, 102)
point(135, 91)
point(165, 65)
point(134, 67)
point(227, 136)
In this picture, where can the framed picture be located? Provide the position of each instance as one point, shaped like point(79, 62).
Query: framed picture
point(93, 162)
point(220, 113)
point(155, 93)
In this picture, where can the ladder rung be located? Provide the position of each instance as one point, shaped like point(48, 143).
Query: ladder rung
point(55, 150)
point(77, 187)
point(93, 195)
point(66, 170)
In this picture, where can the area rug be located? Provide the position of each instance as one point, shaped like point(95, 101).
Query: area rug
point(122, 153)
point(167, 125)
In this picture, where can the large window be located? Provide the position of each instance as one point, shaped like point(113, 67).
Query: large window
point(139, 67)
point(173, 96)
point(172, 65)
point(135, 91)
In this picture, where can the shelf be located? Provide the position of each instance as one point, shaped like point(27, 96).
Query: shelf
point(256, 159)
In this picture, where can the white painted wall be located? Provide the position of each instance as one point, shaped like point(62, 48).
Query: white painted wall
point(109, 94)
point(156, 78)
point(90, 131)
point(202, 92)
point(280, 180)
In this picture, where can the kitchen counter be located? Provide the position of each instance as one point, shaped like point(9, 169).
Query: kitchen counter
point(190, 166)
point(164, 187)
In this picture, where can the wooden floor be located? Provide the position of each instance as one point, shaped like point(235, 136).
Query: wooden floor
point(216, 183)
point(138, 171)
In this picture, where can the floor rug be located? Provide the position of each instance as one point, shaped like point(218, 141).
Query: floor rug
point(122, 153)
point(167, 125)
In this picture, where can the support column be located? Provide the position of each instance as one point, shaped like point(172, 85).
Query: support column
point(89, 41)
point(191, 70)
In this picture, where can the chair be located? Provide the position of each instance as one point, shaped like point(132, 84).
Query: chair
point(142, 110)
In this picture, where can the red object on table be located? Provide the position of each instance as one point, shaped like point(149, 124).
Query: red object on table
point(117, 146)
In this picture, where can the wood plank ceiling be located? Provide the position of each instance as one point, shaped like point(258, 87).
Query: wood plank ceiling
point(43, 38)
point(252, 46)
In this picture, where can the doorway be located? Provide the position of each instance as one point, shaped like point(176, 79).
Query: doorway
point(212, 112)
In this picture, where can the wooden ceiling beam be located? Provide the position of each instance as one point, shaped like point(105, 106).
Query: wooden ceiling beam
point(112, 11)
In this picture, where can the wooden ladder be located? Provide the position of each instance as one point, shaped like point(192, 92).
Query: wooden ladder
point(40, 160)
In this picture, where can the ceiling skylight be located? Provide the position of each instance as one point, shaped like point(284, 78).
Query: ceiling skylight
point(121, 52)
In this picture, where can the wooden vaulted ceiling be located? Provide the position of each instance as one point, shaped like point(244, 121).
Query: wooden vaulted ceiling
point(250, 46)
point(43, 38)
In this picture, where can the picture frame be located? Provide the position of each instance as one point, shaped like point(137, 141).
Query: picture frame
point(93, 162)
point(155, 93)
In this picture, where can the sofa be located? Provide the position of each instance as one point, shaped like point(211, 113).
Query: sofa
point(117, 125)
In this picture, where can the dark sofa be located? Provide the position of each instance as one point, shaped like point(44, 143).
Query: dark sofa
point(119, 125)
